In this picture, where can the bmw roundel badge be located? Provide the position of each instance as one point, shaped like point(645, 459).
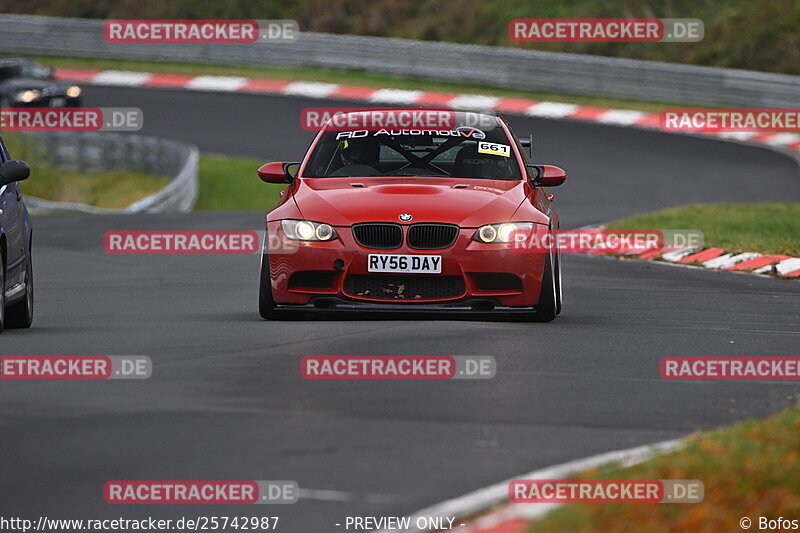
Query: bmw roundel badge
point(405, 217)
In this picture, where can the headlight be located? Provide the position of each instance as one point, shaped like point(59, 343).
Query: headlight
point(506, 232)
point(306, 230)
point(28, 96)
point(73, 92)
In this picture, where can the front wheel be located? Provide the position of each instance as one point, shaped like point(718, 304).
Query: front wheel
point(266, 305)
point(547, 306)
point(20, 315)
point(558, 283)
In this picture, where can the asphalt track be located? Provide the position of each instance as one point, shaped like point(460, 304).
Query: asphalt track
point(226, 400)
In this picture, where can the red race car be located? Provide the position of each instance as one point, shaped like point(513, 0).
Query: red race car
point(447, 220)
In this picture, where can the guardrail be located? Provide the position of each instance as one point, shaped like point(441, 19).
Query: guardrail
point(98, 151)
point(482, 65)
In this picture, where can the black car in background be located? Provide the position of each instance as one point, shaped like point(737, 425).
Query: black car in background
point(26, 83)
point(16, 265)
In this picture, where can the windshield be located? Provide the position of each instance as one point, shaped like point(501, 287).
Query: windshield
point(31, 69)
point(463, 152)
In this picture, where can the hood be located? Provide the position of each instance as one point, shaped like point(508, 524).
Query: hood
point(465, 202)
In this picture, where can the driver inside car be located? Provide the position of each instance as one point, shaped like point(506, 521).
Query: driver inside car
point(360, 157)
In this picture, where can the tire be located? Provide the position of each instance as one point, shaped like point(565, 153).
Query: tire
point(2, 292)
point(547, 306)
point(558, 284)
point(20, 315)
point(266, 305)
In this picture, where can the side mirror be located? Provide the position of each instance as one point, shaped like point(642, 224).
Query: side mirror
point(546, 175)
point(277, 172)
point(13, 170)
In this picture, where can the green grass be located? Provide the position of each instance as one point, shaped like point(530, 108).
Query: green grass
point(768, 228)
point(232, 183)
point(111, 189)
point(347, 77)
point(749, 469)
point(226, 183)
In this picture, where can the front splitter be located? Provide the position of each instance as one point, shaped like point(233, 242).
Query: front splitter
point(476, 307)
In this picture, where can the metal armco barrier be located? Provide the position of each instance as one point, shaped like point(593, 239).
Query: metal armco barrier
point(97, 151)
point(483, 65)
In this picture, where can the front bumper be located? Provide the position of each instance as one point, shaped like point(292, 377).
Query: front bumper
point(468, 261)
point(473, 308)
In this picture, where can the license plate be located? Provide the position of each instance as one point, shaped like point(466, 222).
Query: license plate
point(407, 264)
point(57, 102)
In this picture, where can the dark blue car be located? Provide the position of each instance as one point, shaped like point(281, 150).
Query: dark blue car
point(16, 265)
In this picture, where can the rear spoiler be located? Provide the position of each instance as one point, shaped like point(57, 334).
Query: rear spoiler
point(528, 143)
